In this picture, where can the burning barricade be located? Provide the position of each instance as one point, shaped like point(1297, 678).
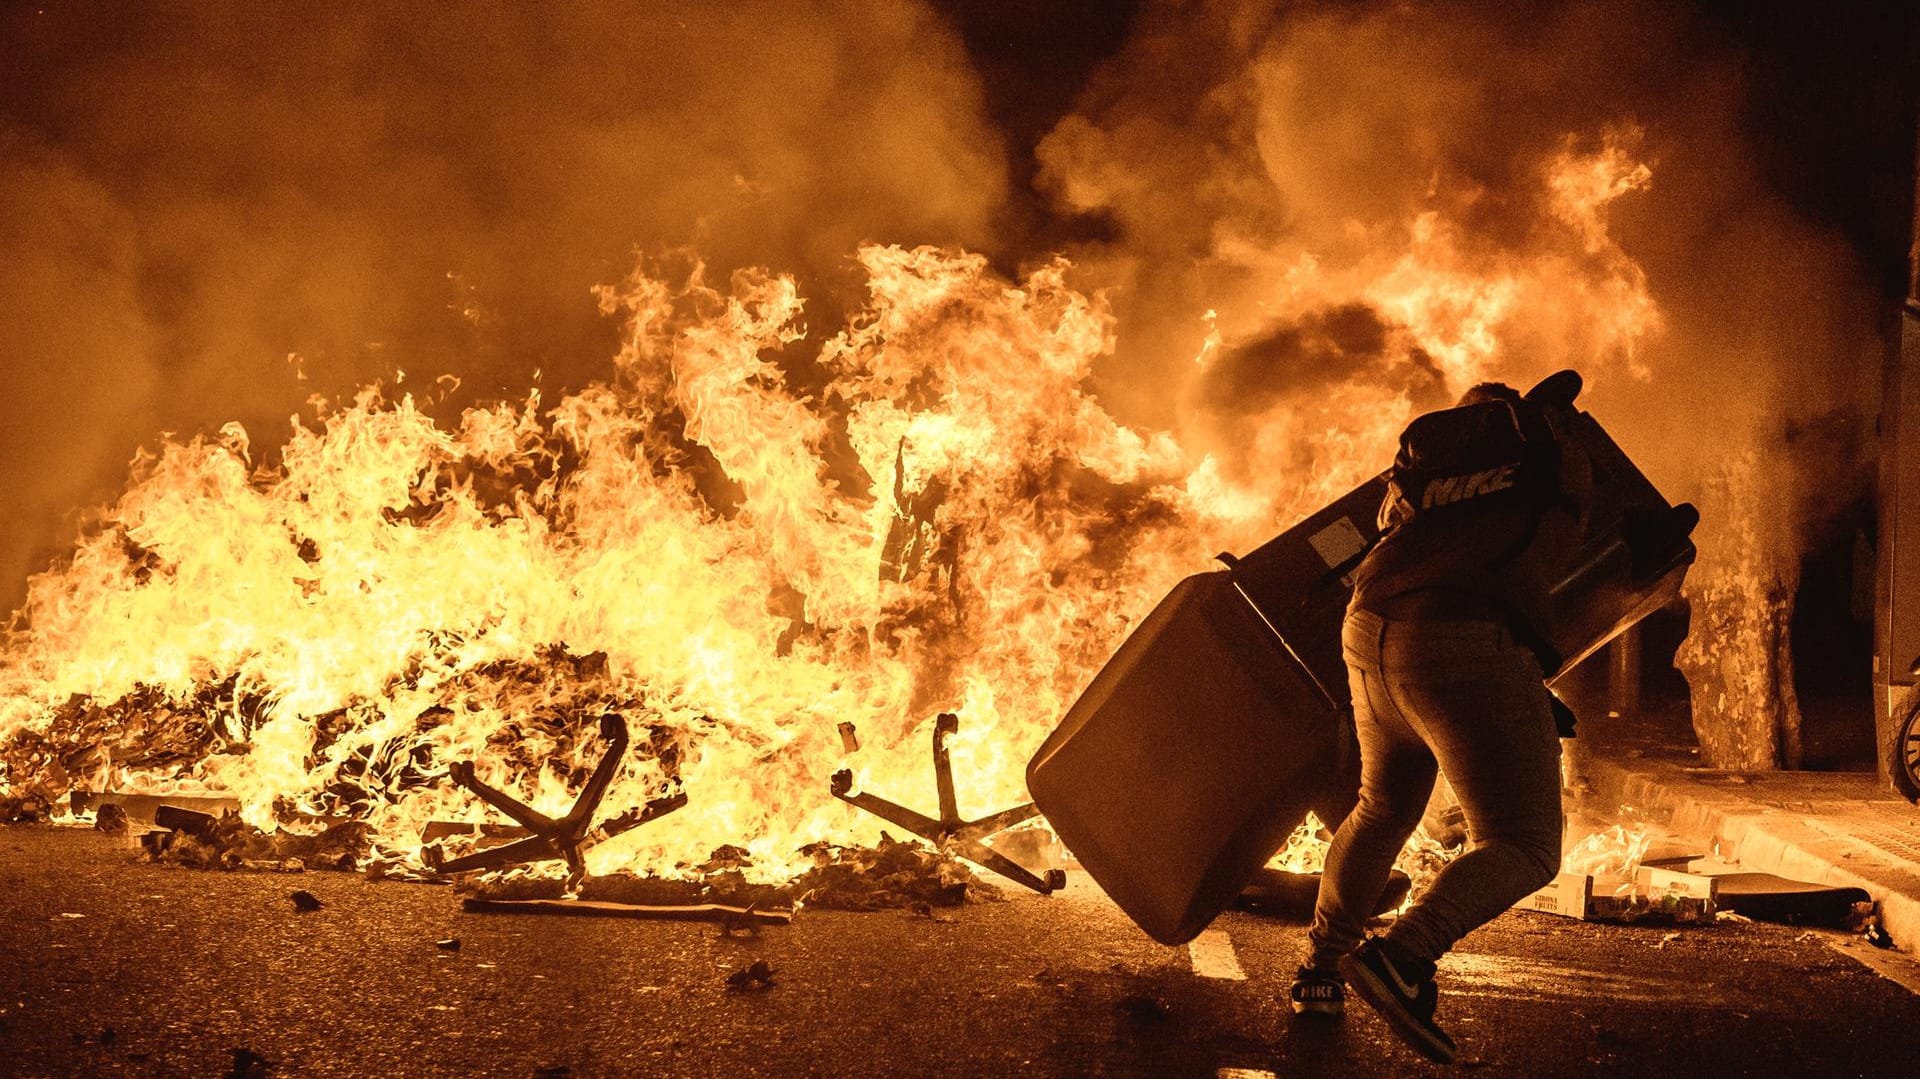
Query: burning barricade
point(737, 540)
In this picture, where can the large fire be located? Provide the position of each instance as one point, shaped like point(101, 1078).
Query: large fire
point(741, 538)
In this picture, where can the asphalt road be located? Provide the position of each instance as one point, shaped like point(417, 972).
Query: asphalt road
point(109, 967)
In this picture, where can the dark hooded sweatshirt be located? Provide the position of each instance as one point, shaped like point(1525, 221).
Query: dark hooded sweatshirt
point(1492, 564)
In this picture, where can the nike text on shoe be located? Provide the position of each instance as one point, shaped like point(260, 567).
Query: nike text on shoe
point(1406, 1004)
point(1318, 992)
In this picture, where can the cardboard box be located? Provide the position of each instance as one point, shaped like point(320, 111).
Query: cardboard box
point(1652, 882)
point(1568, 895)
point(1661, 895)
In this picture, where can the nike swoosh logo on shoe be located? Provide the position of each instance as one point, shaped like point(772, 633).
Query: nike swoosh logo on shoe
point(1399, 984)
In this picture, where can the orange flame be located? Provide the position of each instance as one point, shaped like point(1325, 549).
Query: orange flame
point(736, 541)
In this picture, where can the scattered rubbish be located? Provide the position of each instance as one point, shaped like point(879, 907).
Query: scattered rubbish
point(726, 886)
point(451, 944)
point(889, 875)
point(1862, 915)
point(1877, 936)
point(553, 1071)
point(1650, 895)
point(1731, 917)
point(145, 731)
point(1031, 844)
point(1615, 850)
point(436, 830)
point(112, 820)
point(21, 809)
point(726, 858)
point(178, 819)
point(200, 841)
point(1666, 939)
point(305, 901)
point(384, 867)
point(69, 914)
point(142, 807)
point(756, 977)
point(248, 1064)
point(693, 912)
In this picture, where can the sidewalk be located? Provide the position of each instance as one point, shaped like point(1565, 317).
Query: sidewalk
point(1840, 828)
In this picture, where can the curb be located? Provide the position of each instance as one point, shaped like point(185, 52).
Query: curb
point(1765, 838)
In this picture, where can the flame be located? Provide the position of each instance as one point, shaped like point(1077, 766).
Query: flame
point(1584, 298)
point(738, 540)
point(1305, 850)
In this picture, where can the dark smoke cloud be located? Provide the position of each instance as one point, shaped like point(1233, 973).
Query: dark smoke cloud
point(1227, 139)
point(1261, 404)
point(1319, 348)
point(212, 211)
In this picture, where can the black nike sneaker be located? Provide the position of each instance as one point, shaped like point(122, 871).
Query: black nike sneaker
point(1404, 998)
point(1318, 992)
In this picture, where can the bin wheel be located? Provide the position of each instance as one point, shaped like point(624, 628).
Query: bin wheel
point(1906, 747)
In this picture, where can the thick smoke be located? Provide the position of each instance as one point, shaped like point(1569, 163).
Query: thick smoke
point(213, 211)
point(211, 214)
point(1264, 400)
point(1269, 162)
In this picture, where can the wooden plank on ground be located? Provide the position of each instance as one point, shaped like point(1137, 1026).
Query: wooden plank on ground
point(590, 908)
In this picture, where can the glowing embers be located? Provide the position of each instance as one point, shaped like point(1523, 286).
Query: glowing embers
point(950, 832)
point(568, 837)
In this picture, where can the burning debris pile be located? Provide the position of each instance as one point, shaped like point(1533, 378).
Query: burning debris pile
point(741, 539)
point(894, 874)
point(200, 841)
point(149, 729)
point(952, 520)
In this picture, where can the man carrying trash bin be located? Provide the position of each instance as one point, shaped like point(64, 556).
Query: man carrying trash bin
point(1447, 662)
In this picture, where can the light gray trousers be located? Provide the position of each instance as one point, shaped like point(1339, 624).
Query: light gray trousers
point(1466, 698)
